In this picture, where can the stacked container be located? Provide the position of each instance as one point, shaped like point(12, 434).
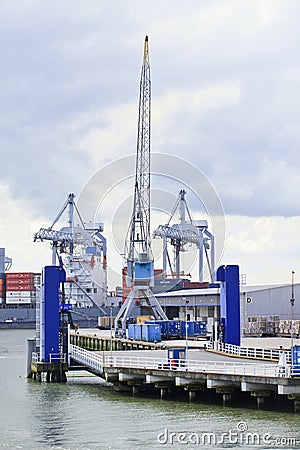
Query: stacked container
point(20, 288)
point(125, 289)
point(2, 290)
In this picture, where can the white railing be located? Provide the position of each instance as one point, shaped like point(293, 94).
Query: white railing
point(249, 352)
point(53, 357)
point(91, 359)
point(57, 357)
point(99, 362)
point(35, 357)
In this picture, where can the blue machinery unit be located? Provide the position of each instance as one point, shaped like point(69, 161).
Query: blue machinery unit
point(230, 318)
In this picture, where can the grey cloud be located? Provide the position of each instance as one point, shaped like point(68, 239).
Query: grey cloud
point(70, 61)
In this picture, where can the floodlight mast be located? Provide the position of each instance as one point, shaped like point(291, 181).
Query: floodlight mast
point(138, 253)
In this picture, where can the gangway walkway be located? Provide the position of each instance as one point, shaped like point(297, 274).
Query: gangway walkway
point(99, 361)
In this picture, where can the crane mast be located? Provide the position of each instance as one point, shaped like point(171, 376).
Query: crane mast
point(138, 239)
point(140, 270)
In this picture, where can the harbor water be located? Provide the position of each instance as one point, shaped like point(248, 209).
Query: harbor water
point(83, 414)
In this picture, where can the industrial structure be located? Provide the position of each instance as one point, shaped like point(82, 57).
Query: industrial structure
point(265, 310)
point(56, 349)
point(82, 249)
point(188, 231)
point(140, 269)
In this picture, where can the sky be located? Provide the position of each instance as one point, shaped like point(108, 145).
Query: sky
point(225, 99)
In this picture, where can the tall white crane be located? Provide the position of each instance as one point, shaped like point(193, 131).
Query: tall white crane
point(140, 270)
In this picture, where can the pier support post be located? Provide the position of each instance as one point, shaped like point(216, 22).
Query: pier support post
point(227, 398)
point(297, 404)
point(164, 392)
point(135, 390)
point(31, 347)
point(192, 395)
point(261, 398)
point(296, 400)
point(260, 402)
point(227, 394)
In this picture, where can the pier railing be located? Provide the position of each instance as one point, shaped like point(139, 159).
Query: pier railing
point(249, 352)
point(99, 362)
point(53, 357)
point(87, 358)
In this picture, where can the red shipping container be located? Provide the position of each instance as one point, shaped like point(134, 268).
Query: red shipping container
point(20, 288)
point(20, 276)
point(20, 282)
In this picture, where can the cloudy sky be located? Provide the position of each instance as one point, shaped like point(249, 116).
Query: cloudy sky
point(225, 98)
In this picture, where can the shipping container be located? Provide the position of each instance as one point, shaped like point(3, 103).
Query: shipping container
point(19, 275)
point(164, 327)
point(138, 332)
point(200, 328)
point(20, 294)
point(190, 330)
point(131, 331)
point(104, 322)
point(151, 332)
point(19, 287)
point(195, 328)
point(135, 331)
point(20, 283)
point(174, 329)
point(18, 299)
point(142, 319)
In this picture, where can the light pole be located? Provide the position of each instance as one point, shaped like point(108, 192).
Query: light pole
point(186, 329)
point(110, 347)
point(292, 302)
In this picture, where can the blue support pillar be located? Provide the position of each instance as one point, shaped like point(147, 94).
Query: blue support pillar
point(230, 303)
point(52, 276)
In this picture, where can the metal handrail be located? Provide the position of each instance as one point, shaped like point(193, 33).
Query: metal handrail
point(35, 357)
point(53, 357)
point(57, 357)
point(249, 352)
point(99, 361)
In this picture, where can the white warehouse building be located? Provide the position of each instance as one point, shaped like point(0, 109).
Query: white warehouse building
point(258, 304)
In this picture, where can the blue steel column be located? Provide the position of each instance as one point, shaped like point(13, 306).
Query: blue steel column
point(230, 315)
point(52, 276)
